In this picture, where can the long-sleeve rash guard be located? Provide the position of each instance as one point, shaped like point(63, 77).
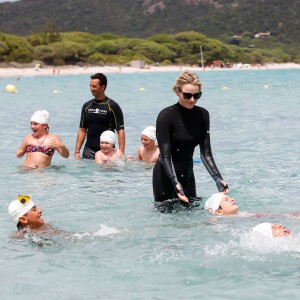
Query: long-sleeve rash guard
point(98, 116)
point(179, 130)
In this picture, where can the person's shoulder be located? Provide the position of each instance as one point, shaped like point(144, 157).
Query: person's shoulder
point(168, 109)
point(119, 153)
point(112, 102)
point(87, 103)
point(201, 109)
point(28, 136)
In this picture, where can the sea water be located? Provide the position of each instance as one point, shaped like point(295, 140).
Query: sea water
point(117, 245)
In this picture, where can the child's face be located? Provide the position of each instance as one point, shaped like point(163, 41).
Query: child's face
point(146, 140)
point(33, 218)
point(228, 206)
point(38, 128)
point(279, 230)
point(106, 147)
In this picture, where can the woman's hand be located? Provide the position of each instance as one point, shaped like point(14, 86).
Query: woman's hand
point(226, 188)
point(181, 195)
point(222, 186)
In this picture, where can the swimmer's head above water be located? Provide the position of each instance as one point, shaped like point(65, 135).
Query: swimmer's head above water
point(221, 204)
point(24, 213)
point(108, 136)
point(150, 132)
point(270, 230)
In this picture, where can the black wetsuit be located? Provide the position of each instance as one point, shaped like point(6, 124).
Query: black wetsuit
point(179, 130)
point(98, 116)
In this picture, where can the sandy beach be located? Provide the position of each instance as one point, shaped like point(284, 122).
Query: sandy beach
point(76, 70)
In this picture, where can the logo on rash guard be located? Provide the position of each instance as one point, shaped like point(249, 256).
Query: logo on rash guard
point(97, 111)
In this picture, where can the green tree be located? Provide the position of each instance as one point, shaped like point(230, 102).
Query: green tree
point(154, 51)
point(51, 34)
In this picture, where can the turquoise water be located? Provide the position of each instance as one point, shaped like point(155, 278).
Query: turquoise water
point(118, 246)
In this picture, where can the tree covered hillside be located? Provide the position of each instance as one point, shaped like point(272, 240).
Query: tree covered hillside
point(143, 18)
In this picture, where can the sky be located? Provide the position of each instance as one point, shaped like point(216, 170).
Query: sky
point(1, 1)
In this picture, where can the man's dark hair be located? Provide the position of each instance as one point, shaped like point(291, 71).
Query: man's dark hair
point(102, 78)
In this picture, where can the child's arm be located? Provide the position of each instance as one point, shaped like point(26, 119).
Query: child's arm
point(22, 150)
point(120, 153)
point(58, 145)
point(98, 157)
point(139, 153)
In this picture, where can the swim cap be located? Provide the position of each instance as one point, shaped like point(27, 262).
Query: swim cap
point(40, 116)
point(213, 202)
point(17, 209)
point(264, 229)
point(108, 136)
point(150, 132)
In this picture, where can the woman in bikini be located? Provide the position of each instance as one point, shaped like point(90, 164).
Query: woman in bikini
point(107, 152)
point(40, 145)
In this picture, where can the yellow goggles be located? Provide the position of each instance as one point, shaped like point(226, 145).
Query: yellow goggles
point(24, 198)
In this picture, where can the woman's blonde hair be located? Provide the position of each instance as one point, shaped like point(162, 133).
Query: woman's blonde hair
point(186, 77)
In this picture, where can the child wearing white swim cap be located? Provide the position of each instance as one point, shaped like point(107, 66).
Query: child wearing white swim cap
point(40, 146)
point(107, 152)
point(25, 214)
point(270, 230)
point(149, 151)
point(221, 204)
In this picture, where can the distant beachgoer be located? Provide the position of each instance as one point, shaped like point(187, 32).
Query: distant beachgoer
point(39, 146)
point(149, 151)
point(179, 129)
point(107, 152)
point(221, 204)
point(270, 230)
point(98, 115)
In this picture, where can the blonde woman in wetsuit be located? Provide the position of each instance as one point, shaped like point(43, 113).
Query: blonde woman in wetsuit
point(179, 129)
point(107, 152)
point(39, 146)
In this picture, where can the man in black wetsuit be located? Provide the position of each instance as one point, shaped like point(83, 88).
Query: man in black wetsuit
point(180, 128)
point(98, 115)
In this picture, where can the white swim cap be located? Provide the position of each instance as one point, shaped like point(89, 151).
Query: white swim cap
point(264, 229)
point(108, 136)
point(150, 132)
point(40, 116)
point(213, 202)
point(18, 208)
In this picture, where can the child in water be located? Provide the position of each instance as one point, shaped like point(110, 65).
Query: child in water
point(221, 204)
point(39, 146)
point(270, 230)
point(107, 152)
point(28, 218)
point(149, 151)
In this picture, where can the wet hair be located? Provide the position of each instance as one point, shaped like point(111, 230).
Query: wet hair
point(102, 78)
point(186, 77)
point(19, 226)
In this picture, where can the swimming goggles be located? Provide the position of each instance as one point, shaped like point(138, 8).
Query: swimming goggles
point(24, 198)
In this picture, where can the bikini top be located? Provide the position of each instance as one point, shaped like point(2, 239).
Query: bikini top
point(108, 158)
point(45, 150)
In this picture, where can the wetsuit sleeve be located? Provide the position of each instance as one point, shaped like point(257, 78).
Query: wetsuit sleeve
point(117, 114)
point(163, 133)
point(207, 157)
point(82, 123)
